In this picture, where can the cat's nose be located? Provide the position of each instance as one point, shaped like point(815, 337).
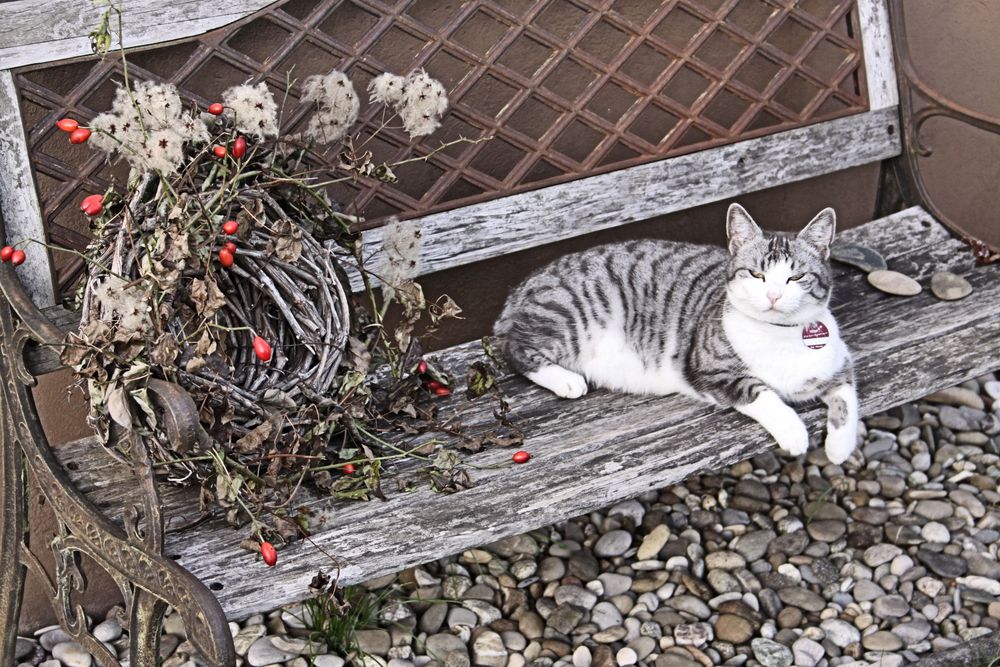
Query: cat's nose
point(773, 297)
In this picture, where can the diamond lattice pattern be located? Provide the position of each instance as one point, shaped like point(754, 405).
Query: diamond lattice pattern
point(566, 88)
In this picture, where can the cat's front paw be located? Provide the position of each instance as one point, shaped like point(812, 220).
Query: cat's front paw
point(840, 442)
point(793, 437)
point(572, 387)
point(560, 381)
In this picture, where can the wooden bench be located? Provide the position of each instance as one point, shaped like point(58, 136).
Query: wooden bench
point(587, 453)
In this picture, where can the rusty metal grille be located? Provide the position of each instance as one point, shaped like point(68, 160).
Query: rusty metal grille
point(566, 88)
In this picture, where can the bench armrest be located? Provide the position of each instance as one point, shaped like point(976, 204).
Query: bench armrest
point(911, 86)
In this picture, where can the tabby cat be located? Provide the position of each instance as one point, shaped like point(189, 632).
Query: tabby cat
point(749, 329)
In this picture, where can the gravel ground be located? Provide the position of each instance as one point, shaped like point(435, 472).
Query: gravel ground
point(772, 562)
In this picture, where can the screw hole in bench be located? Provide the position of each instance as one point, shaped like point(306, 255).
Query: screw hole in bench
point(73, 465)
point(178, 557)
point(215, 586)
point(892, 130)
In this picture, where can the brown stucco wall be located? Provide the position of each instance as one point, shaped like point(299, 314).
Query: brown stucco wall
point(954, 48)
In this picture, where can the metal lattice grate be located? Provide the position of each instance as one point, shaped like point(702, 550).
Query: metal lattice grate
point(567, 88)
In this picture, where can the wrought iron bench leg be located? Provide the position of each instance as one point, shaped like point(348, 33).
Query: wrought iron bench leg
point(11, 530)
point(132, 556)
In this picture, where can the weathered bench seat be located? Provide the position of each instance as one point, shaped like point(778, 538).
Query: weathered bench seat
point(593, 451)
point(586, 453)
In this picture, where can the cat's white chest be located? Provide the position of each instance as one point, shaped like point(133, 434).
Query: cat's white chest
point(782, 357)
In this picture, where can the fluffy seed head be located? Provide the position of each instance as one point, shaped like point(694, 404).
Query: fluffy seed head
point(337, 107)
point(254, 109)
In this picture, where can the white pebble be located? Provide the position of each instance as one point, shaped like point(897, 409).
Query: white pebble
point(935, 532)
point(901, 565)
point(626, 656)
point(581, 657)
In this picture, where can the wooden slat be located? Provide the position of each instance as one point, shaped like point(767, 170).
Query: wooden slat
point(876, 41)
point(599, 449)
point(22, 214)
point(42, 360)
point(558, 212)
point(41, 31)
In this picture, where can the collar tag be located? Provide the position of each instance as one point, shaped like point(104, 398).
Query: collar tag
point(815, 335)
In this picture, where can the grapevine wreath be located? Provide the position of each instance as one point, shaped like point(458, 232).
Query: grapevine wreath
point(220, 267)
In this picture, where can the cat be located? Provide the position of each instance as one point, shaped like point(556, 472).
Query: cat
point(749, 328)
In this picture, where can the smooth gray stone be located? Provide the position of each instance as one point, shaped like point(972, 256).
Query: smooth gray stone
point(949, 287)
point(893, 282)
point(858, 256)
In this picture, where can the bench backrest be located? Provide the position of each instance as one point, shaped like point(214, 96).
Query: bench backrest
point(42, 31)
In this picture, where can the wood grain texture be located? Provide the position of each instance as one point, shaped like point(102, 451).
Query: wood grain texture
point(42, 360)
point(876, 42)
point(558, 212)
point(596, 450)
point(19, 206)
point(41, 31)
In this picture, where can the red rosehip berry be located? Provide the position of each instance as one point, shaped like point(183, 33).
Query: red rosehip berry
point(269, 553)
point(6, 253)
point(433, 385)
point(349, 469)
point(230, 246)
point(230, 226)
point(226, 258)
point(92, 204)
point(422, 366)
point(215, 109)
point(239, 147)
point(67, 124)
point(17, 258)
point(219, 151)
point(79, 135)
point(442, 391)
point(521, 457)
point(261, 348)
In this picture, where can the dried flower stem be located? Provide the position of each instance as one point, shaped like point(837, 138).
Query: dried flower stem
point(77, 253)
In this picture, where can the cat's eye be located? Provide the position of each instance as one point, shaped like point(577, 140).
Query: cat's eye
point(797, 276)
point(757, 275)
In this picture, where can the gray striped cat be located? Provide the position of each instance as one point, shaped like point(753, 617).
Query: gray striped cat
point(749, 328)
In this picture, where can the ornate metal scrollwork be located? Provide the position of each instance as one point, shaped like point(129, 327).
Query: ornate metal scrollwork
point(914, 116)
point(132, 556)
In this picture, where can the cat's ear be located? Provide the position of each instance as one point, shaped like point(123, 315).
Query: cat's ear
point(820, 230)
point(740, 228)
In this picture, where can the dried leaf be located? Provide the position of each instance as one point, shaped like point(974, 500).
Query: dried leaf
point(451, 481)
point(206, 345)
point(118, 409)
point(385, 174)
point(359, 357)
point(75, 352)
point(286, 241)
point(253, 440)
point(411, 297)
point(352, 380)
point(195, 364)
point(480, 379)
point(207, 296)
point(275, 398)
point(164, 350)
point(141, 398)
point(477, 443)
point(446, 460)
point(444, 308)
